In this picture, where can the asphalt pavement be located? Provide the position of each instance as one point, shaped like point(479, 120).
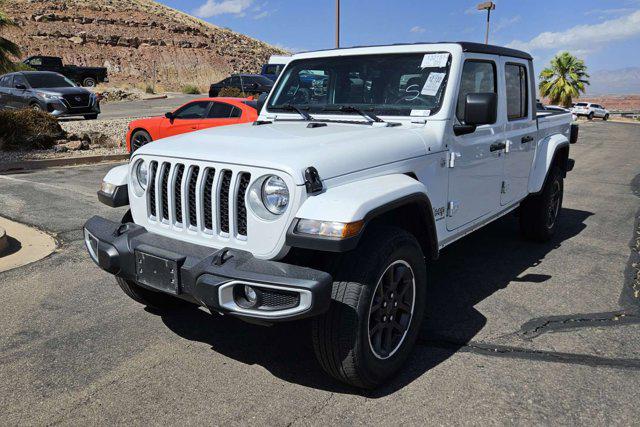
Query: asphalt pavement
point(515, 332)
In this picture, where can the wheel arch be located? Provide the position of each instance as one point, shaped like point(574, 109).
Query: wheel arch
point(133, 132)
point(554, 150)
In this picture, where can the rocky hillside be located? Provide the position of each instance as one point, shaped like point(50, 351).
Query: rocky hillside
point(136, 40)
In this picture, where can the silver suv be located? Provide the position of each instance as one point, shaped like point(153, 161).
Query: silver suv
point(590, 111)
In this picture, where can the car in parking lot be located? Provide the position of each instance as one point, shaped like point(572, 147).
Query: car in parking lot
point(196, 115)
point(329, 204)
point(590, 111)
point(250, 84)
point(49, 92)
point(85, 76)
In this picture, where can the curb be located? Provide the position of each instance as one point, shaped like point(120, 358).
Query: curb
point(4, 241)
point(69, 161)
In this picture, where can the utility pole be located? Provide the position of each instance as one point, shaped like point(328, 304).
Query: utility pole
point(337, 24)
point(488, 6)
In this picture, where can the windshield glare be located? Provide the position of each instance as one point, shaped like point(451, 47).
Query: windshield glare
point(43, 81)
point(389, 84)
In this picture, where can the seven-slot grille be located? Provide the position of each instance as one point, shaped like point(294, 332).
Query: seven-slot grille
point(200, 198)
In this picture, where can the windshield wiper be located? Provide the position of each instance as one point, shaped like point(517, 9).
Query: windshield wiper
point(291, 107)
point(353, 109)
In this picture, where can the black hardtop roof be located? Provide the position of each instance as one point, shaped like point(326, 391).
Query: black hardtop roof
point(488, 49)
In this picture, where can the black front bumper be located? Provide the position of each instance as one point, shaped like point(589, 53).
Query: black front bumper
point(205, 275)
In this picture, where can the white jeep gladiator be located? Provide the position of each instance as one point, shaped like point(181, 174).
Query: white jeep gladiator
point(363, 165)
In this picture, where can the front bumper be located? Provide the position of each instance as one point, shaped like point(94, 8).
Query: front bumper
point(206, 276)
point(60, 108)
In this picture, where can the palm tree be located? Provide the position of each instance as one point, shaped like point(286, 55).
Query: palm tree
point(7, 47)
point(564, 80)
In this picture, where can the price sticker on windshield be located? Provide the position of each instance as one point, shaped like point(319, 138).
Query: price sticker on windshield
point(435, 60)
point(433, 83)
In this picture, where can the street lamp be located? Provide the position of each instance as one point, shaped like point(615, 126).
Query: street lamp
point(488, 6)
point(337, 24)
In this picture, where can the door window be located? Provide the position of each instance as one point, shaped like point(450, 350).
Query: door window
point(477, 77)
point(517, 91)
point(19, 80)
point(220, 110)
point(194, 110)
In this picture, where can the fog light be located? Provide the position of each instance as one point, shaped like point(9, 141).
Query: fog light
point(250, 294)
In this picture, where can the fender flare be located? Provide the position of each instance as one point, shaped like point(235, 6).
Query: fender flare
point(118, 177)
point(365, 200)
point(545, 157)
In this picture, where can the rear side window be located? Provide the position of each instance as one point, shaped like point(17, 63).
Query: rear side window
point(221, 110)
point(517, 91)
point(581, 104)
point(477, 77)
point(35, 61)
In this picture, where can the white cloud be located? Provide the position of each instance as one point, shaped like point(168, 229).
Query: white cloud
point(584, 38)
point(417, 29)
point(505, 22)
point(214, 8)
point(262, 14)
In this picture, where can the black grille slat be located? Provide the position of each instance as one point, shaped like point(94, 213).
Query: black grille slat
point(241, 208)
point(164, 183)
point(225, 185)
point(193, 180)
point(208, 199)
point(152, 188)
point(177, 192)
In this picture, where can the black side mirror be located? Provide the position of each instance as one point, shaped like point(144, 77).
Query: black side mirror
point(261, 100)
point(479, 109)
point(170, 116)
point(21, 87)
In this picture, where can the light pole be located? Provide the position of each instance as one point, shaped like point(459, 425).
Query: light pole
point(337, 24)
point(488, 6)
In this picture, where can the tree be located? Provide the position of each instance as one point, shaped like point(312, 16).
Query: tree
point(7, 47)
point(564, 80)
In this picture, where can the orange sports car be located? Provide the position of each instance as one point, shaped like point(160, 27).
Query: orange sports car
point(198, 114)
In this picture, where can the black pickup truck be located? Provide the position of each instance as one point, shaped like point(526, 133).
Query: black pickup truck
point(84, 76)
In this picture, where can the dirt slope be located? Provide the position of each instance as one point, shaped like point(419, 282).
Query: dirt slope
point(129, 36)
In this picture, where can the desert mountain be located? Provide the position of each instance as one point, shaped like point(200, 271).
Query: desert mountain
point(135, 39)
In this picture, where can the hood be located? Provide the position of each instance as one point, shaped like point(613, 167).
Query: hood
point(291, 147)
point(63, 90)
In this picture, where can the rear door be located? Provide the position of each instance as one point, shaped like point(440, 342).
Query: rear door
point(521, 129)
point(186, 119)
point(474, 179)
point(221, 114)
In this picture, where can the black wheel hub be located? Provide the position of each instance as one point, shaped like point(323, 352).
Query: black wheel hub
point(391, 309)
point(138, 141)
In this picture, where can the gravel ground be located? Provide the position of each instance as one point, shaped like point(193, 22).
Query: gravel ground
point(116, 129)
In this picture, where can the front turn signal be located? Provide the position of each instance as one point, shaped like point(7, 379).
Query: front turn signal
point(333, 229)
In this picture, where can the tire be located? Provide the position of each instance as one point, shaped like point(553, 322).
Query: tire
point(89, 82)
point(363, 303)
point(154, 300)
point(539, 214)
point(90, 116)
point(606, 117)
point(590, 116)
point(35, 106)
point(213, 93)
point(139, 138)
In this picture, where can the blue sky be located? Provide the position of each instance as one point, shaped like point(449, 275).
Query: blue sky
point(606, 33)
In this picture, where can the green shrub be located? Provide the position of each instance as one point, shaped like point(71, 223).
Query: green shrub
point(28, 129)
point(20, 66)
point(232, 92)
point(191, 90)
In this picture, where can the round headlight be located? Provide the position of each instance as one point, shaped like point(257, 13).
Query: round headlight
point(142, 174)
point(275, 195)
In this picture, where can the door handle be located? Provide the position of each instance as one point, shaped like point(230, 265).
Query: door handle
point(526, 139)
point(497, 146)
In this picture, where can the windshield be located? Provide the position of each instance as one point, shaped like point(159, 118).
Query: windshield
point(389, 84)
point(42, 81)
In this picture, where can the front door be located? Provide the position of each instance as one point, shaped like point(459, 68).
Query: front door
point(186, 119)
point(521, 130)
point(475, 168)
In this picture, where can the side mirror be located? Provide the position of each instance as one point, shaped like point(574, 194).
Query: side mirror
point(479, 109)
point(261, 100)
point(21, 87)
point(170, 116)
